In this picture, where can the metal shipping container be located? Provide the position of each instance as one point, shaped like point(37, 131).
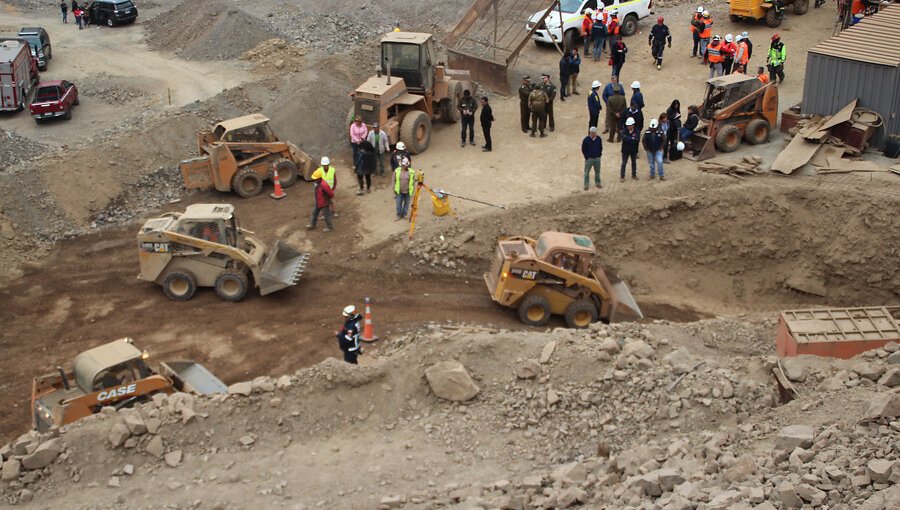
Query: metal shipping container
point(862, 62)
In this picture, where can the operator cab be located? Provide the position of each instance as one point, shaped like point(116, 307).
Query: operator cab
point(252, 128)
point(410, 56)
point(724, 91)
point(210, 222)
point(110, 365)
point(571, 252)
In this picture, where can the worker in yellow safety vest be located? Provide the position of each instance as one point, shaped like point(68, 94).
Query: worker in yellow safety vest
point(329, 176)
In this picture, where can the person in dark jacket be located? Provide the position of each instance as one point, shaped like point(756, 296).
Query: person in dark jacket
point(322, 203)
point(399, 154)
point(598, 34)
point(467, 107)
point(693, 120)
point(615, 109)
point(659, 34)
point(565, 70)
point(64, 8)
point(635, 113)
point(618, 56)
point(348, 337)
point(653, 141)
point(673, 113)
point(592, 149)
point(365, 166)
point(524, 109)
point(594, 105)
point(574, 71)
point(487, 118)
point(630, 140)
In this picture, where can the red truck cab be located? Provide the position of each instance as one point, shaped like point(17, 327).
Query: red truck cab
point(54, 99)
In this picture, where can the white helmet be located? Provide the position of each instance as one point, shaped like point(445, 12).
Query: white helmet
point(700, 9)
point(404, 162)
point(325, 161)
point(745, 35)
point(679, 146)
point(705, 14)
point(349, 310)
point(635, 84)
point(613, 12)
point(630, 121)
point(401, 146)
point(728, 38)
point(654, 123)
point(738, 38)
point(596, 84)
point(589, 11)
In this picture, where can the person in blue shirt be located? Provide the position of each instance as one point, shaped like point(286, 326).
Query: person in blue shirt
point(592, 149)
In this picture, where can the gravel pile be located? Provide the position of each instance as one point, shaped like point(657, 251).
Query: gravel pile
point(17, 148)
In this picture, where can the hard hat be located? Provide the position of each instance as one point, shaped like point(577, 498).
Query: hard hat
point(654, 123)
point(717, 38)
point(401, 146)
point(738, 38)
point(700, 9)
point(589, 11)
point(593, 129)
point(660, 20)
point(705, 14)
point(596, 84)
point(745, 35)
point(630, 121)
point(317, 174)
point(635, 84)
point(349, 310)
point(728, 38)
point(404, 162)
point(613, 12)
point(679, 146)
point(776, 37)
point(325, 161)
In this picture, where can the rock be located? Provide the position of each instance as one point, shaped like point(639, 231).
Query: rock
point(173, 458)
point(668, 479)
point(648, 483)
point(894, 358)
point(11, 470)
point(573, 472)
point(552, 397)
point(888, 499)
point(25, 496)
point(729, 500)
point(532, 482)
point(153, 425)
point(262, 384)
point(793, 369)
point(114, 482)
point(609, 345)
point(187, 414)
point(765, 506)
point(528, 369)
point(284, 382)
point(570, 497)
point(811, 494)
point(868, 370)
point(638, 348)
point(135, 424)
point(247, 440)
point(879, 470)
point(629, 461)
point(242, 388)
point(118, 434)
point(792, 436)
point(44, 455)
point(155, 447)
point(681, 361)
point(450, 380)
point(741, 470)
point(128, 469)
point(891, 378)
point(788, 495)
point(883, 405)
point(727, 390)
point(392, 501)
point(547, 351)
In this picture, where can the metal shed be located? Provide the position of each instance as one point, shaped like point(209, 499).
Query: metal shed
point(862, 62)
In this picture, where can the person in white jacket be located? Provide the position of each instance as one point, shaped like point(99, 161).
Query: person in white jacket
point(379, 140)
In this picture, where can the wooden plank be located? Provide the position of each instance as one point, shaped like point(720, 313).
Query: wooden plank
point(843, 115)
point(795, 155)
point(826, 151)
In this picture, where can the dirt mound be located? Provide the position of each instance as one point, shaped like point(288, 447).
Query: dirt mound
point(17, 148)
point(205, 30)
point(275, 56)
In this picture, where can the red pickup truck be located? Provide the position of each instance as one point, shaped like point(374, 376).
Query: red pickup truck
point(54, 99)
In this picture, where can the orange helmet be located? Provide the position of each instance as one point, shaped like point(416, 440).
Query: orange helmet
point(660, 20)
point(776, 38)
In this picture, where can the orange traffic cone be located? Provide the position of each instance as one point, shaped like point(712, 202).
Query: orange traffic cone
point(279, 193)
point(368, 333)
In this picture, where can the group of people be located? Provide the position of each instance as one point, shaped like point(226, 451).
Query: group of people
point(81, 16)
point(536, 105)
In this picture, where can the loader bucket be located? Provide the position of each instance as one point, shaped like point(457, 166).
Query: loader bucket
point(192, 377)
point(700, 147)
point(625, 308)
point(282, 268)
point(487, 73)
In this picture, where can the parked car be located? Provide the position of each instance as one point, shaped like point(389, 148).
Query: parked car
point(112, 12)
point(565, 29)
point(18, 74)
point(54, 99)
point(39, 40)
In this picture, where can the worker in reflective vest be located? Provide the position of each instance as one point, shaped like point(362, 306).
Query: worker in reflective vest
point(775, 59)
point(329, 176)
point(706, 33)
point(742, 57)
point(613, 31)
point(728, 51)
point(696, 27)
point(586, 25)
point(714, 57)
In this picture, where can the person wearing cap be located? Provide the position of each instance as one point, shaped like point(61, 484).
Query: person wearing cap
point(358, 133)
point(348, 336)
point(775, 59)
point(714, 57)
point(659, 34)
point(630, 141)
point(404, 187)
point(487, 118)
point(615, 107)
point(654, 141)
point(612, 30)
point(379, 139)
point(742, 54)
point(592, 149)
point(537, 105)
point(598, 35)
point(705, 34)
point(594, 106)
point(322, 204)
point(524, 110)
point(696, 28)
point(550, 89)
point(586, 23)
point(729, 51)
point(618, 56)
point(467, 107)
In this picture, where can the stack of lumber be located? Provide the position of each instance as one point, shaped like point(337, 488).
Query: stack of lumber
point(812, 136)
point(748, 165)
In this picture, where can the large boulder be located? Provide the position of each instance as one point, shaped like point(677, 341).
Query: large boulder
point(450, 380)
point(883, 405)
point(792, 436)
point(46, 453)
point(681, 360)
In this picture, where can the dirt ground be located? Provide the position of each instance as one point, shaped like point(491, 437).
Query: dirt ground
point(693, 247)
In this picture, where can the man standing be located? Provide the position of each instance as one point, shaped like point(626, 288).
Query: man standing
point(524, 110)
point(348, 337)
point(565, 70)
point(598, 34)
point(659, 34)
point(330, 178)
point(612, 32)
point(78, 12)
point(615, 108)
point(714, 57)
point(705, 34)
point(630, 138)
point(637, 97)
point(729, 50)
point(586, 23)
point(64, 8)
point(379, 140)
point(550, 90)
point(696, 28)
point(323, 195)
point(654, 141)
point(594, 105)
point(358, 133)
point(404, 187)
point(537, 104)
point(487, 118)
point(775, 59)
point(592, 149)
point(742, 55)
point(574, 70)
point(618, 56)
point(467, 107)
point(746, 38)
point(633, 112)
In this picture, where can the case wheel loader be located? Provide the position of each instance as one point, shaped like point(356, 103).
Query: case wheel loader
point(114, 374)
point(735, 107)
point(410, 91)
point(240, 155)
point(555, 275)
point(204, 247)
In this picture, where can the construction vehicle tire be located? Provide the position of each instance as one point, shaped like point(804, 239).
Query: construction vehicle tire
point(247, 183)
point(570, 39)
point(757, 131)
point(450, 104)
point(728, 139)
point(734, 18)
point(415, 131)
point(232, 286)
point(534, 310)
point(629, 25)
point(801, 6)
point(287, 172)
point(180, 285)
point(772, 19)
point(581, 313)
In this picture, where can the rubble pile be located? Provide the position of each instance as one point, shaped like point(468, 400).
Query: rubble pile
point(275, 56)
point(17, 148)
point(444, 250)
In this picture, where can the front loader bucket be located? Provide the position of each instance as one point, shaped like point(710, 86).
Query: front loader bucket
point(282, 268)
point(626, 308)
point(700, 147)
point(487, 73)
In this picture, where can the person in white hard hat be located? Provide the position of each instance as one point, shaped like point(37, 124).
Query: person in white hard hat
point(654, 140)
point(330, 176)
point(729, 50)
point(594, 105)
point(398, 154)
point(586, 23)
point(348, 337)
point(630, 141)
point(696, 28)
point(636, 94)
point(322, 195)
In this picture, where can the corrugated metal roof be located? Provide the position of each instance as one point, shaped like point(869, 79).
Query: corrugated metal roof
point(873, 40)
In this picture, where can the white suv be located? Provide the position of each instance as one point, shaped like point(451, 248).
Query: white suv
point(629, 12)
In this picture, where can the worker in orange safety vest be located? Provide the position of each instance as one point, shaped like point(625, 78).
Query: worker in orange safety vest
point(742, 55)
point(612, 31)
point(696, 27)
point(714, 57)
point(706, 33)
point(586, 24)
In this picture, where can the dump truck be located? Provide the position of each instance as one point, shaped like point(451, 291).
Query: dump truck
point(735, 106)
point(240, 154)
point(205, 247)
point(115, 374)
point(556, 275)
point(409, 91)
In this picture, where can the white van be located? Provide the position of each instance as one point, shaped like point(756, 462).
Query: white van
point(629, 12)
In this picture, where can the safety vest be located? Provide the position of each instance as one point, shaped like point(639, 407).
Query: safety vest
point(586, 25)
point(744, 52)
point(778, 55)
point(412, 180)
point(764, 78)
point(614, 26)
point(707, 28)
point(714, 54)
point(328, 175)
point(605, 18)
point(697, 17)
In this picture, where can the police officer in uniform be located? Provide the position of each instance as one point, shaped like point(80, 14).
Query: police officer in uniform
point(348, 338)
point(537, 103)
point(525, 91)
point(550, 89)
